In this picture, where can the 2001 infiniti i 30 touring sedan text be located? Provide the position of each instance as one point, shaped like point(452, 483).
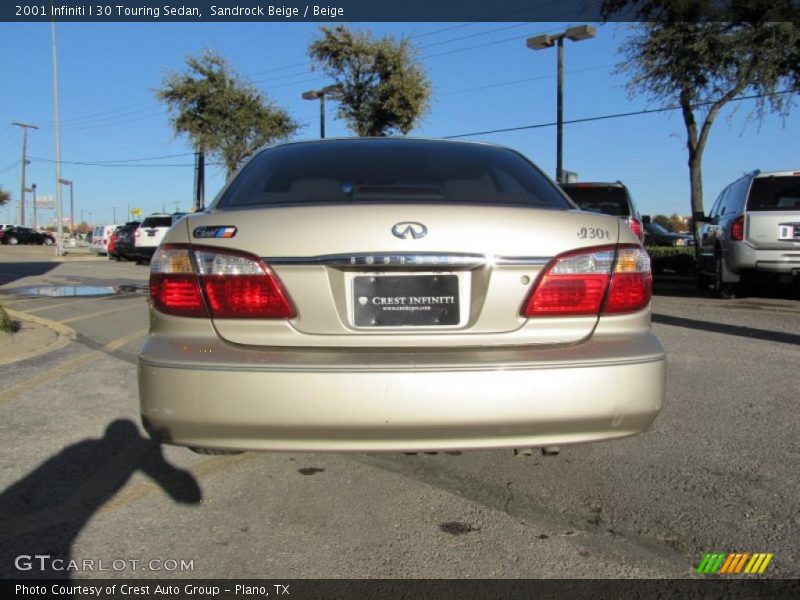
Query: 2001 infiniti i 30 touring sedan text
point(387, 294)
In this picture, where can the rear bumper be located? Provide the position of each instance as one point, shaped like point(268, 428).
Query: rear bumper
point(744, 257)
point(519, 403)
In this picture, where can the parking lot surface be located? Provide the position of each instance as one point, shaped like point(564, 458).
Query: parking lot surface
point(718, 471)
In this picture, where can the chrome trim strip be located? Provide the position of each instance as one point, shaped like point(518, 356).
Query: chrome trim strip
point(399, 260)
point(385, 260)
point(537, 261)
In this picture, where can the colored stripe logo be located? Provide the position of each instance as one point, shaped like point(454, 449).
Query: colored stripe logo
point(734, 563)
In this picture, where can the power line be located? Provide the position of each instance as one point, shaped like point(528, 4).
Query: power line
point(9, 167)
point(611, 116)
point(116, 164)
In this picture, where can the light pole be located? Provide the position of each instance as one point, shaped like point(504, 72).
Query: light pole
point(24, 127)
point(540, 42)
point(331, 90)
point(32, 189)
point(71, 204)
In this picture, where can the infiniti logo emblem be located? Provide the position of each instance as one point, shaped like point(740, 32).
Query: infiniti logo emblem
point(406, 229)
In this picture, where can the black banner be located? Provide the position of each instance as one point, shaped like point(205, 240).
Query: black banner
point(396, 589)
point(303, 11)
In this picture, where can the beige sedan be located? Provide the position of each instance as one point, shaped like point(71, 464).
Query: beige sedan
point(386, 294)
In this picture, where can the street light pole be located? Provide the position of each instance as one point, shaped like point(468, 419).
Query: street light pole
point(540, 42)
point(25, 127)
point(57, 132)
point(71, 204)
point(331, 90)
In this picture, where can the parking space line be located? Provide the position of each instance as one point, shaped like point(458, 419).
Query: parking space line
point(96, 314)
point(68, 366)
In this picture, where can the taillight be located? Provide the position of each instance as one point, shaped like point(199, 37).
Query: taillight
point(577, 283)
point(636, 227)
point(737, 229)
point(137, 233)
point(219, 284)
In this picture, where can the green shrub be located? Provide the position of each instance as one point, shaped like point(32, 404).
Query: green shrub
point(6, 324)
point(666, 258)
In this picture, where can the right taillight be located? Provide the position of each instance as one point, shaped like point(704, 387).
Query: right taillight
point(737, 229)
point(615, 279)
point(205, 282)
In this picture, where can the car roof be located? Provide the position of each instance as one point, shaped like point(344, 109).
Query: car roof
point(588, 184)
point(778, 174)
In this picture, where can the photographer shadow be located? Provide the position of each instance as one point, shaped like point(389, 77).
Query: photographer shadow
point(42, 514)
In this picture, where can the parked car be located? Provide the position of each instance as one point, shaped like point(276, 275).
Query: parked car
point(393, 294)
point(150, 233)
point(100, 236)
point(656, 234)
point(124, 248)
point(112, 242)
point(753, 229)
point(25, 235)
point(607, 199)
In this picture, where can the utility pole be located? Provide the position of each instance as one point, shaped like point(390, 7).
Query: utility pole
point(199, 196)
point(25, 127)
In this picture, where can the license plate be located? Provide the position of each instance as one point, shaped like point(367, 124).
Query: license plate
point(151, 233)
point(789, 231)
point(405, 300)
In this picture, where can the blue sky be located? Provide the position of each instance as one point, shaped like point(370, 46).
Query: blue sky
point(108, 72)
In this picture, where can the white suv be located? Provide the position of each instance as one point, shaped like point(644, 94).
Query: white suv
point(150, 233)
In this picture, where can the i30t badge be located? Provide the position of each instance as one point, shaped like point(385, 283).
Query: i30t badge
point(409, 228)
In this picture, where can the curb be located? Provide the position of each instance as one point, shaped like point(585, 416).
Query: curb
point(64, 336)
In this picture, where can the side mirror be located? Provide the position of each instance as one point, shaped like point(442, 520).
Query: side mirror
point(699, 217)
point(646, 219)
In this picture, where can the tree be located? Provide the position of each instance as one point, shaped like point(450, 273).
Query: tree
point(222, 114)
point(702, 54)
point(383, 89)
point(5, 197)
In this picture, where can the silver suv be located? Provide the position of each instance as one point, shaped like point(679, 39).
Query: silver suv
point(753, 228)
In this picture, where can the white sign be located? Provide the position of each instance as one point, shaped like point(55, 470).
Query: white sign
point(45, 202)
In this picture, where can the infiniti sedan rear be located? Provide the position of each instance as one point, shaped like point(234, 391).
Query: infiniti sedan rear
point(384, 294)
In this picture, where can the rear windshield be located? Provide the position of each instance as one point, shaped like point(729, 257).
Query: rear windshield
point(605, 199)
point(99, 231)
point(389, 170)
point(157, 222)
point(774, 193)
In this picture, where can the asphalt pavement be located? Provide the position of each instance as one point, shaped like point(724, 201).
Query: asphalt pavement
point(718, 471)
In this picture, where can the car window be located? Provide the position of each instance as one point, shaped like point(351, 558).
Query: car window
point(157, 222)
point(659, 229)
point(732, 203)
point(775, 193)
point(391, 170)
point(606, 199)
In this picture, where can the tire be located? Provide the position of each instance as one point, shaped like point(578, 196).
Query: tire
point(723, 290)
point(703, 280)
point(48, 241)
point(12, 241)
point(214, 451)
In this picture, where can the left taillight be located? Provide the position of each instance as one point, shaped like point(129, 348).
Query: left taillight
point(203, 282)
point(737, 229)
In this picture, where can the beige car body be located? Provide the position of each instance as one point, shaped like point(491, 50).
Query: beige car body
point(318, 382)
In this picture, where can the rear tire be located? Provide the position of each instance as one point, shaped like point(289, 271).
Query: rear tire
point(726, 291)
point(48, 241)
point(12, 241)
point(214, 451)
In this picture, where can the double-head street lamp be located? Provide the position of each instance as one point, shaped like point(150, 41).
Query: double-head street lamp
point(332, 91)
point(540, 42)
